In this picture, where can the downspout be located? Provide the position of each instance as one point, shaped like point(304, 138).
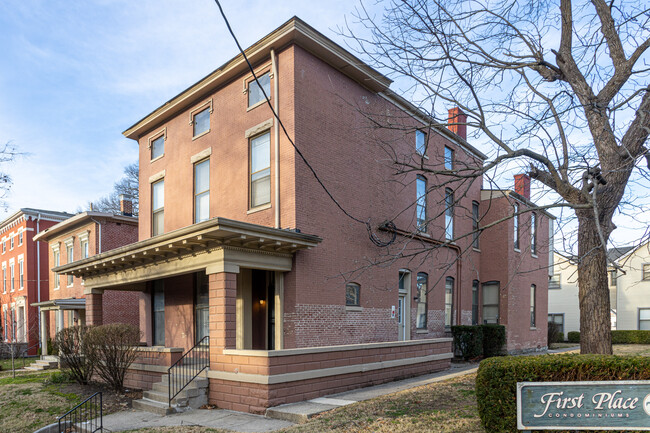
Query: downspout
point(38, 280)
point(276, 137)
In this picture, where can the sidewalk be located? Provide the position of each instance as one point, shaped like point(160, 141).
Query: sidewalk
point(277, 417)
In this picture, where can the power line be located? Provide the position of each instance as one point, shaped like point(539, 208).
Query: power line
point(373, 237)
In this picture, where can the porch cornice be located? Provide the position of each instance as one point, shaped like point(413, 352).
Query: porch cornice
point(225, 236)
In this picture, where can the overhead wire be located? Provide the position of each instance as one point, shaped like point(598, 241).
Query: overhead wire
point(388, 225)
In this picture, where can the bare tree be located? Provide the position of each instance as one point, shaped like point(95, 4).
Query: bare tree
point(128, 185)
point(557, 88)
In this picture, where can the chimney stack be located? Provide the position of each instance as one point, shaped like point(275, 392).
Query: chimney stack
point(522, 185)
point(126, 205)
point(457, 122)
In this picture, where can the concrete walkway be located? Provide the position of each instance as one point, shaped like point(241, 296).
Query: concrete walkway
point(278, 417)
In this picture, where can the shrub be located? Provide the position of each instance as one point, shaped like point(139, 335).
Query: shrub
point(631, 337)
point(560, 337)
point(553, 333)
point(468, 341)
point(573, 337)
point(72, 346)
point(113, 350)
point(63, 376)
point(496, 381)
point(494, 338)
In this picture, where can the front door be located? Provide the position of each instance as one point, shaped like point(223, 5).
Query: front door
point(201, 307)
point(401, 328)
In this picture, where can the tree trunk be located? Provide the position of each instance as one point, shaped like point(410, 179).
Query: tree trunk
point(593, 288)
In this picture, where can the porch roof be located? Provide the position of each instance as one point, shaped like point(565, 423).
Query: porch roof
point(220, 233)
point(62, 304)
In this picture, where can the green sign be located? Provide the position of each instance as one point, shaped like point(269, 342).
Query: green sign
point(608, 405)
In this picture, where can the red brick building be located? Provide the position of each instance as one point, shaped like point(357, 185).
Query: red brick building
point(240, 244)
point(80, 237)
point(24, 274)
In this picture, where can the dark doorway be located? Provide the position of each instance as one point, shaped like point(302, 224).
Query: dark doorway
point(263, 309)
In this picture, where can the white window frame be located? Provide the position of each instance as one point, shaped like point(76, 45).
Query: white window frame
point(12, 275)
point(420, 142)
point(642, 320)
point(252, 205)
point(21, 273)
point(200, 194)
point(516, 224)
point(156, 211)
point(448, 158)
point(56, 261)
point(161, 133)
point(449, 214)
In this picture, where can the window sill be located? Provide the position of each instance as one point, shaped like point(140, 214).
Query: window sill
point(517, 250)
point(424, 234)
point(262, 102)
point(57, 288)
point(534, 256)
point(201, 135)
point(157, 158)
point(20, 289)
point(421, 331)
point(533, 328)
point(476, 249)
point(353, 308)
point(258, 208)
point(421, 155)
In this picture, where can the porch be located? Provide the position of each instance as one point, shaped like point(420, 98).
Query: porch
point(73, 308)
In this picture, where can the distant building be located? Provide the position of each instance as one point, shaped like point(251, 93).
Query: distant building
point(80, 237)
point(24, 274)
point(563, 305)
point(632, 283)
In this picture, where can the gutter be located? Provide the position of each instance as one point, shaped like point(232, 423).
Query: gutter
point(38, 279)
point(276, 137)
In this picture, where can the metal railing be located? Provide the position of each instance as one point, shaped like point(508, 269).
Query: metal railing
point(186, 369)
point(85, 417)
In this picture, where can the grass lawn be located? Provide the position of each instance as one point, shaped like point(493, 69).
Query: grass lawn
point(5, 364)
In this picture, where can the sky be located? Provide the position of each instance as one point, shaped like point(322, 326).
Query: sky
point(75, 74)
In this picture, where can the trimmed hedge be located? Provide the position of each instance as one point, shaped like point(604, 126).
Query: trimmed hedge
point(573, 337)
point(468, 341)
point(494, 338)
point(496, 381)
point(630, 337)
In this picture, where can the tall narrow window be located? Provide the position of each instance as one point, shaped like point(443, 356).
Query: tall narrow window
point(255, 94)
point(449, 301)
point(352, 295)
point(449, 214)
point(12, 276)
point(558, 320)
point(421, 203)
point(4, 279)
point(260, 181)
point(449, 158)
point(516, 225)
point(11, 243)
point(202, 191)
point(533, 233)
point(158, 147)
point(20, 238)
point(84, 249)
point(21, 275)
point(70, 259)
point(57, 261)
point(420, 142)
point(201, 122)
point(533, 305)
point(158, 306)
point(158, 208)
point(475, 300)
point(475, 221)
point(201, 302)
point(422, 283)
point(491, 302)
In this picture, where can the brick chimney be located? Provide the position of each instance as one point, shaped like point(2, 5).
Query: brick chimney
point(126, 205)
point(457, 122)
point(522, 185)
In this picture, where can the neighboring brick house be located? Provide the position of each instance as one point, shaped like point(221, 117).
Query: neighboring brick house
point(82, 236)
point(239, 243)
point(24, 274)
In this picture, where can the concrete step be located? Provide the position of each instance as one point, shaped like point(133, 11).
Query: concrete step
point(181, 399)
point(50, 364)
point(36, 367)
point(197, 383)
point(153, 406)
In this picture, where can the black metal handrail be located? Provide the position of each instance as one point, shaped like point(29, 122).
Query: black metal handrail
point(87, 416)
point(188, 367)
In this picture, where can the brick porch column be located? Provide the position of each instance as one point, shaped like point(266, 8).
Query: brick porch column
point(94, 308)
point(223, 300)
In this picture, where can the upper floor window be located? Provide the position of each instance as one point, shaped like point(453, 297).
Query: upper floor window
point(420, 142)
point(475, 221)
point(11, 242)
point(554, 282)
point(4, 246)
point(12, 277)
point(533, 233)
point(84, 249)
point(202, 191)
point(646, 272)
point(255, 94)
point(158, 207)
point(20, 238)
point(422, 283)
point(516, 225)
point(4, 279)
point(352, 295)
point(449, 301)
point(70, 259)
point(21, 275)
point(449, 158)
point(421, 203)
point(533, 305)
point(449, 214)
point(158, 147)
point(57, 261)
point(201, 122)
point(260, 178)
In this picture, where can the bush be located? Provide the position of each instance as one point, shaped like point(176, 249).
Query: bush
point(113, 350)
point(468, 341)
point(553, 333)
point(573, 337)
point(72, 346)
point(631, 337)
point(494, 338)
point(496, 381)
point(63, 376)
point(560, 337)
